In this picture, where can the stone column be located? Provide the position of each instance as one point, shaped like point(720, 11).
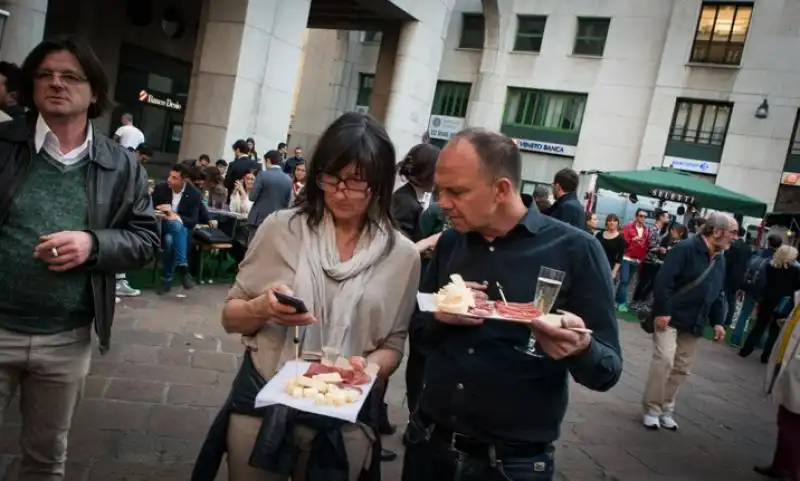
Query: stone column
point(246, 71)
point(410, 56)
point(487, 104)
point(24, 28)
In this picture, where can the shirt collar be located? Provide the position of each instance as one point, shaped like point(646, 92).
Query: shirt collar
point(45, 135)
point(532, 220)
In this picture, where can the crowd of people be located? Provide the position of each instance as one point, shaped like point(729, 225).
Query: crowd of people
point(486, 399)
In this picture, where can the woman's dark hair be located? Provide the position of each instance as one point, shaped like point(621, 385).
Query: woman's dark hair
point(681, 229)
point(612, 218)
point(212, 175)
point(587, 216)
point(352, 139)
point(88, 60)
point(419, 165)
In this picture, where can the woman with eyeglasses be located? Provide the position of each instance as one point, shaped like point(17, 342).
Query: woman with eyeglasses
point(336, 250)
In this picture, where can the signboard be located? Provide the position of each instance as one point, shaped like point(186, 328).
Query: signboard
point(691, 165)
point(362, 109)
point(790, 178)
point(159, 100)
point(664, 194)
point(444, 127)
point(545, 147)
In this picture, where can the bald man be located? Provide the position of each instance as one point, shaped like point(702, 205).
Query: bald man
point(687, 298)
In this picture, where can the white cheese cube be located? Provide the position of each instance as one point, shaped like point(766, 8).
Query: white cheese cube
point(310, 392)
point(308, 382)
point(297, 392)
point(330, 377)
point(372, 369)
point(319, 399)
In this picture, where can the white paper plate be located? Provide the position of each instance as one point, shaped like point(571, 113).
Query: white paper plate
point(275, 393)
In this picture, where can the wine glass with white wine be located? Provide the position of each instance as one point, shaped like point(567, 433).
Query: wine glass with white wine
point(548, 285)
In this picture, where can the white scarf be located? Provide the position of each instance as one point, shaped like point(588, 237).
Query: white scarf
point(334, 308)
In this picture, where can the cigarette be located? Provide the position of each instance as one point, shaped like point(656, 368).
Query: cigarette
point(54, 251)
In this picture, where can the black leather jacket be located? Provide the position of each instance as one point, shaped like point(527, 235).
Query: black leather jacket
point(120, 213)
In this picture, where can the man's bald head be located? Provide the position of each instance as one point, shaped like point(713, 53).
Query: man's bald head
point(499, 156)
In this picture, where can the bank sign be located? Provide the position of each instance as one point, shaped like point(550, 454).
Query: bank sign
point(444, 127)
point(545, 147)
point(691, 165)
point(159, 100)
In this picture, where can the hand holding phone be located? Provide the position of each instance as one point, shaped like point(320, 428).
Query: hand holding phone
point(268, 307)
point(291, 301)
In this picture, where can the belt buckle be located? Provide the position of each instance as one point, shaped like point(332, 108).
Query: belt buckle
point(453, 440)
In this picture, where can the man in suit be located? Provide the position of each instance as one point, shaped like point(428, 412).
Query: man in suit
point(291, 162)
point(567, 207)
point(180, 206)
point(241, 165)
point(272, 190)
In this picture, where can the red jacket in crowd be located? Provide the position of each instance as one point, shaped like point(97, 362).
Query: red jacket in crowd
point(636, 248)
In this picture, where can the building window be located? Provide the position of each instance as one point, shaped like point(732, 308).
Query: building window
point(530, 31)
point(451, 99)
point(372, 36)
point(365, 81)
point(472, 31)
point(699, 122)
point(591, 37)
point(721, 32)
point(561, 111)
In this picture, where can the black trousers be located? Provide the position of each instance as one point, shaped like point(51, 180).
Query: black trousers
point(429, 459)
point(764, 320)
point(415, 377)
point(647, 277)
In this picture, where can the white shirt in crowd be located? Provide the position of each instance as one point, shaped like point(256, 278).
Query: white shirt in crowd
point(129, 136)
point(176, 199)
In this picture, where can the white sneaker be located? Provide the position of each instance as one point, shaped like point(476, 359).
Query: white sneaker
point(125, 290)
point(668, 422)
point(651, 421)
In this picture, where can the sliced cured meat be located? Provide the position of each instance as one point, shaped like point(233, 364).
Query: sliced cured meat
point(351, 377)
point(317, 368)
point(515, 310)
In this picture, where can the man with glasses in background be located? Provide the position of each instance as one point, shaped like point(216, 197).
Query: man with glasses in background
point(687, 297)
point(74, 210)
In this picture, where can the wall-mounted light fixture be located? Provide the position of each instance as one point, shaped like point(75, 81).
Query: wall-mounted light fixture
point(762, 112)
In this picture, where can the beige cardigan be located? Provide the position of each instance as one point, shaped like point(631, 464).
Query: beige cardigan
point(382, 315)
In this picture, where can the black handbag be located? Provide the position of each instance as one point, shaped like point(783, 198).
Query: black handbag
point(645, 313)
point(210, 235)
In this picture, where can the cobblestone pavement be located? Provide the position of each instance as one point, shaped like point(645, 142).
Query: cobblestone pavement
point(149, 401)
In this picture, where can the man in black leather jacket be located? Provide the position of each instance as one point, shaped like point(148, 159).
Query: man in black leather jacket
point(74, 210)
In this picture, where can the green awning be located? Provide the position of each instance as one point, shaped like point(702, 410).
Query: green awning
point(674, 185)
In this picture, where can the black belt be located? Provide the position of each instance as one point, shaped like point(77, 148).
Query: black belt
point(463, 444)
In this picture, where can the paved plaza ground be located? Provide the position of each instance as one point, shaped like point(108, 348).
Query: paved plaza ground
point(150, 400)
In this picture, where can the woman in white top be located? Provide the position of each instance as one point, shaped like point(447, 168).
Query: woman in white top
point(240, 198)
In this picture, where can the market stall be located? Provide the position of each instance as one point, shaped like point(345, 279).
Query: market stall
point(676, 186)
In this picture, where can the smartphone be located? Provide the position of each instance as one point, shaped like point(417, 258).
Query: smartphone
point(291, 301)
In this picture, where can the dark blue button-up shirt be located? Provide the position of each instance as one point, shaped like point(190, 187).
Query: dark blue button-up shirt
point(476, 381)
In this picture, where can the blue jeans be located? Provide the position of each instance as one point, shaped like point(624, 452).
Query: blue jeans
point(739, 331)
point(433, 460)
point(626, 272)
point(175, 243)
